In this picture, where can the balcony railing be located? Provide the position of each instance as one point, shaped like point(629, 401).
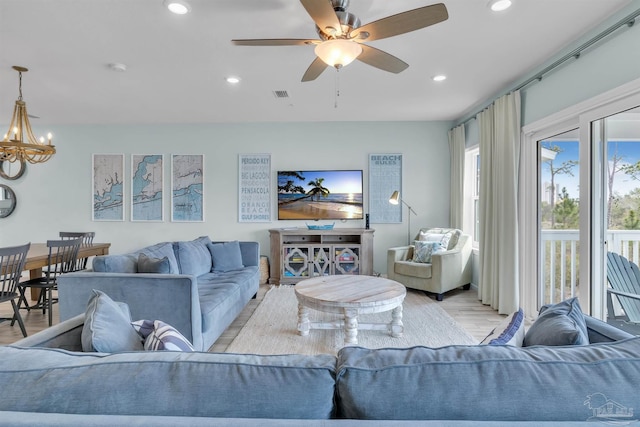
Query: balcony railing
point(560, 251)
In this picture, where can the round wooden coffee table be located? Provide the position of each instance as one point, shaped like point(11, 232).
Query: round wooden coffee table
point(350, 295)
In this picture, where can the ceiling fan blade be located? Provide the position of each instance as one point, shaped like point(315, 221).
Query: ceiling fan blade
point(315, 69)
point(274, 42)
point(382, 60)
point(321, 11)
point(401, 23)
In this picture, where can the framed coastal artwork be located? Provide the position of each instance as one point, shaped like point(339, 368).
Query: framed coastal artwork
point(187, 187)
point(254, 188)
point(385, 177)
point(147, 195)
point(108, 187)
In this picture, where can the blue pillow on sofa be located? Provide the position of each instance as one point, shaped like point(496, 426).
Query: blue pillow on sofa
point(107, 326)
point(225, 256)
point(559, 324)
point(194, 257)
point(147, 264)
point(509, 332)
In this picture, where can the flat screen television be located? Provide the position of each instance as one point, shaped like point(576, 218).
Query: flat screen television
point(320, 194)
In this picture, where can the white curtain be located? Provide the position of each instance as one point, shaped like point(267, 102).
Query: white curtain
point(457, 150)
point(499, 127)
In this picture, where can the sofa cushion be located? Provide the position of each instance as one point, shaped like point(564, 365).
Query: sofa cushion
point(107, 328)
point(193, 257)
point(509, 332)
point(423, 250)
point(127, 263)
point(558, 324)
point(162, 250)
point(496, 383)
point(153, 265)
point(413, 269)
point(159, 336)
point(226, 256)
point(163, 383)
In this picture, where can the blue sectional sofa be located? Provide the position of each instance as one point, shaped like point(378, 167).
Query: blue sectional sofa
point(199, 286)
point(48, 381)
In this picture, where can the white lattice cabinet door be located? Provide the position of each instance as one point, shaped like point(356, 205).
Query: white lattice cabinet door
point(321, 261)
point(347, 260)
point(299, 253)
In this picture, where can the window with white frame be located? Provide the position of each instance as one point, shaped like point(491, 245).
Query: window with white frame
point(472, 192)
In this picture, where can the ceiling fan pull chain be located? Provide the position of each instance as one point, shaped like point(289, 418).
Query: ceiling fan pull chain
point(337, 92)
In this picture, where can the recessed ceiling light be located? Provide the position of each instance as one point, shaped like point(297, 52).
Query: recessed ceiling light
point(179, 7)
point(499, 5)
point(233, 79)
point(118, 67)
point(439, 78)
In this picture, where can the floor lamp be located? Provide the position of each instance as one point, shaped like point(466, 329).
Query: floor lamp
point(394, 200)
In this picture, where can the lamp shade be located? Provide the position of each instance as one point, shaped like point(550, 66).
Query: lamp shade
point(395, 198)
point(339, 52)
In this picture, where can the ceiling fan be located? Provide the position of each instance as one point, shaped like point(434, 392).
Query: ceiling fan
point(342, 37)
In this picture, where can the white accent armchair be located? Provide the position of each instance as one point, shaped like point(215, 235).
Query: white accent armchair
point(448, 269)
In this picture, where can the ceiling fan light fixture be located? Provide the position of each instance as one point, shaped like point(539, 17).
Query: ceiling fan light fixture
point(233, 80)
point(179, 7)
point(338, 52)
point(439, 78)
point(499, 5)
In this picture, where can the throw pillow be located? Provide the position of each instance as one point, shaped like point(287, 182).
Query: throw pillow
point(423, 251)
point(451, 238)
point(226, 256)
point(147, 264)
point(509, 332)
point(107, 329)
point(160, 336)
point(193, 257)
point(558, 324)
point(430, 237)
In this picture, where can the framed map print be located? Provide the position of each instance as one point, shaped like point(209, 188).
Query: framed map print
point(147, 195)
point(187, 187)
point(108, 188)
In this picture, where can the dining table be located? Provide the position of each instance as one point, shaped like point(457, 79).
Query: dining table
point(38, 257)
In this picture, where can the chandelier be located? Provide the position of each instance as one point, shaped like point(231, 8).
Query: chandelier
point(19, 143)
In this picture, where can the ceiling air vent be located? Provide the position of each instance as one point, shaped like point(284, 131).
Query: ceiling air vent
point(280, 94)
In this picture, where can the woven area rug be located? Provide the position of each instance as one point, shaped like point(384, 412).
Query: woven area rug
point(272, 327)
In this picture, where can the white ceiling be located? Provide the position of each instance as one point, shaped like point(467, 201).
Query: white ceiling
point(176, 65)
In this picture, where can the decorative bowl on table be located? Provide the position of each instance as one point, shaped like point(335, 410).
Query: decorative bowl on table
point(320, 226)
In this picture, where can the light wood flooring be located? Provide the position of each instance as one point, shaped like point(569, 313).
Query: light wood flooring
point(462, 305)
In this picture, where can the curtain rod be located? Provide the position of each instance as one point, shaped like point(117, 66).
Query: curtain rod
point(628, 20)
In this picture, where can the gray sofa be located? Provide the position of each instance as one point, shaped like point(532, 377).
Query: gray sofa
point(44, 384)
point(190, 296)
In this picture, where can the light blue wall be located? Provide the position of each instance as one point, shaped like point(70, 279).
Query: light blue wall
point(606, 65)
point(598, 70)
point(57, 195)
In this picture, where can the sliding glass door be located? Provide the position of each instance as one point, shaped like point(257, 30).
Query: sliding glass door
point(616, 138)
point(580, 199)
point(558, 217)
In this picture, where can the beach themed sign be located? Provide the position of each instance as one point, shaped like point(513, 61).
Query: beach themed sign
point(385, 177)
point(254, 186)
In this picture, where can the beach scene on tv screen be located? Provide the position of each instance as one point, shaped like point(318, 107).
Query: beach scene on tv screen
point(320, 194)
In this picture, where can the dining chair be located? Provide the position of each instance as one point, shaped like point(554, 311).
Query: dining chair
point(87, 240)
point(61, 259)
point(12, 261)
